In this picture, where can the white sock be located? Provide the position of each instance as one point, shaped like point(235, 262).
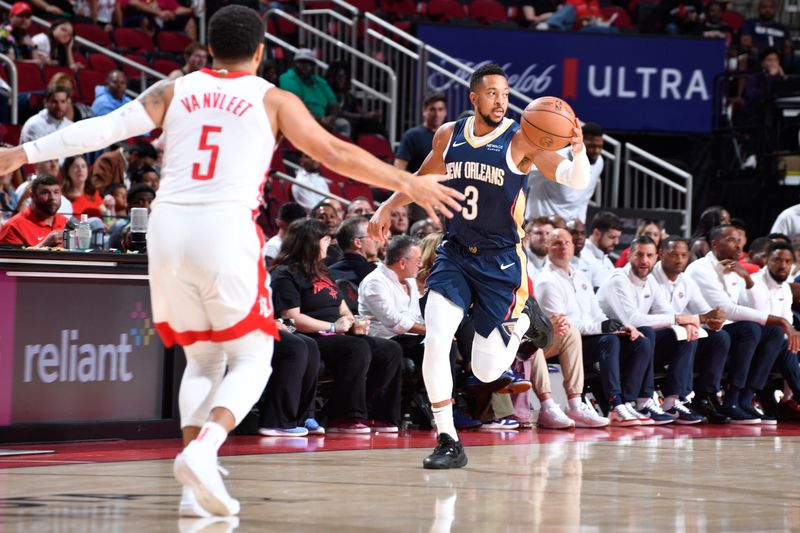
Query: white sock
point(574, 402)
point(212, 435)
point(548, 403)
point(444, 420)
point(641, 401)
point(669, 401)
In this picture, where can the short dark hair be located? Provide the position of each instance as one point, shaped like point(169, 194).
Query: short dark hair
point(641, 241)
point(141, 171)
point(779, 237)
point(759, 244)
point(234, 33)
point(716, 232)
point(669, 240)
point(779, 245)
point(291, 211)
point(112, 73)
point(144, 149)
point(138, 189)
point(768, 52)
point(41, 180)
point(348, 231)
point(398, 248)
point(194, 47)
point(606, 220)
point(111, 188)
point(52, 90)
point(592, 129)
point(485, 70)
point(434, 97)
point(738, 223)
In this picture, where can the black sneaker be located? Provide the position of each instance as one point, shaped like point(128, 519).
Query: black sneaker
point(738, 416)
point(753, 412)
point(447, 454)
point(708, 408)
point(539, 333)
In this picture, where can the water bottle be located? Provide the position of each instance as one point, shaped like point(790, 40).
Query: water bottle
point(84, 233)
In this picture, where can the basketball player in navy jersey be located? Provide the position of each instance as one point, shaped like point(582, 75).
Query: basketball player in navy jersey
point(480, 268)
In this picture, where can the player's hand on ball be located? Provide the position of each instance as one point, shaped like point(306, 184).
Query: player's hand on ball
point(435, 198)
point(577, 137)
point(11, 159)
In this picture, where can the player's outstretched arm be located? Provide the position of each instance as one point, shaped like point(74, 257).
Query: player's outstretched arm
point(134, 118)
point(574, 174)
point(289, 116)
point(433, 164)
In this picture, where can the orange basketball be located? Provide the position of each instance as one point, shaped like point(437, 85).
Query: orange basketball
point(548, 122)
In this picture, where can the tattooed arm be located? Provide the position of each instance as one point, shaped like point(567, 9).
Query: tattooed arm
point(134, 118)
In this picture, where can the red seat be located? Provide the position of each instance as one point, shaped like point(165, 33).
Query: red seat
point(165, 66)
point(9, 133)
point(102, 63)
point(29, 78)
point(133, 40)
point(365, 6)
point(80, 58)
point(399, 8)
point(487, 11)
point(93, 33)
point(332, 175)
point(133, 72)
point(51, 70)
point(734, 19)
point(172, 42)
point(446, 10)
point(354, 189)
point(623, 19)
point(378, 146)
point(87, 81)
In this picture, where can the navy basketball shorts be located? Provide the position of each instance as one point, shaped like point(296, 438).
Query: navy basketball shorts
point(490, 287)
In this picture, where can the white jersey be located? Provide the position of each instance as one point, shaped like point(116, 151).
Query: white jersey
point(220, 140)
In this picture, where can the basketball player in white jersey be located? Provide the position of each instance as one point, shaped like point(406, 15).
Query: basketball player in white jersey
point(210, 292)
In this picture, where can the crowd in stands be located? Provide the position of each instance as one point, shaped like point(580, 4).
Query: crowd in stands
point(700, 321)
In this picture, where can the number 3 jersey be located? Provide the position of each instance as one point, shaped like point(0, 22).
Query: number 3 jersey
point(220, 140)
point(482, 168)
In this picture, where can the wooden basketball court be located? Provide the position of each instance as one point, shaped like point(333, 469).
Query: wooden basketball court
point(709, 478)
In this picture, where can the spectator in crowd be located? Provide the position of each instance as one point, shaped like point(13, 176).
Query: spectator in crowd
point(359, 207)
point(577, 230)
point(352, 120)
point(195, 57)
point(49, 168)
point(289, 212)
point(360, 251)
point(712, 26)
point(52, 9)
point(51, 118)
point(367, 369)
point(756, 336)
point(710, 218)
point(120, 164)
point(788, 222)
point(152, 15)
point(546, 197)
point(112, 95)
point(422, 228)
point(287, 406)
point(674, 17)
point(270, 72)
point(267, 218)
point(632, 296)
point(606, 229)
point(308, 174)
point(84, 197)
point(101, 12)
point(582, 15)
point(758, 112)
point(313, 90)
point(75, 110)
point(771, 293)
point(399, 224)
point(416, 143)
point(563, 290)
point(647, 226)
point(756, 257)
point(711, 350)
point(8, 194)
point(55, 46)
point(119, 199)
point(757, 35)
point(147, 175)
point(537, 232)
point(327, 213)
point(139, 195)
point(19, 18)
point(39, 225)
point(536, 12)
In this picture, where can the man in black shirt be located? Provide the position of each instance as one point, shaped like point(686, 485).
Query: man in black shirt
point(359, 249)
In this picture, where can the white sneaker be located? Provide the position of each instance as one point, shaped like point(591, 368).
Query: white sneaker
point(212, 524)
point(586, 417)
point(553, 417)
point(189, 506)
point(196, 468)
point(621, 416)
point(643, 418)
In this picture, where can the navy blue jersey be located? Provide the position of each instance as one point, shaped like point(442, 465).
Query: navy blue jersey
point(494, 210)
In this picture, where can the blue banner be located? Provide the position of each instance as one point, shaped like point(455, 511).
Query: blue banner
point(622, 82)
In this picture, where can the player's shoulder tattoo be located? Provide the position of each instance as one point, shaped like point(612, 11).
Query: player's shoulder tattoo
point(156, 95)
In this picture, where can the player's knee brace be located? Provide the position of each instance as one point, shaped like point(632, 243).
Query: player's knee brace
point(249, 368)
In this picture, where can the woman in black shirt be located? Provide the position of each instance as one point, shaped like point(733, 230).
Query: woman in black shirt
point(367, 370)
